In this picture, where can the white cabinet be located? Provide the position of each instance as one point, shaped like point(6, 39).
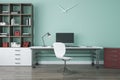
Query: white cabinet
point(15, 57)
point(6, 58)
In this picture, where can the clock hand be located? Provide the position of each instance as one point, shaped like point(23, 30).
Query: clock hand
point(62, 8)
point(72, 7)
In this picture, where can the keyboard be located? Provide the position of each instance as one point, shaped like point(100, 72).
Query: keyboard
point(72, 46)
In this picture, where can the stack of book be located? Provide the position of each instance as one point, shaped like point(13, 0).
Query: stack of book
point(5, 12)
point(26, 34)
point(14, 12)
point(3, 34)
point(2, 23)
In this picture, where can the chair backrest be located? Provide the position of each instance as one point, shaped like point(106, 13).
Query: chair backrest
point(59, 49)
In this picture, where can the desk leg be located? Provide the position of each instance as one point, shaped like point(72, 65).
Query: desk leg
point(97, 58)
point(92, 57)
point(34, 58)
point(37, 56)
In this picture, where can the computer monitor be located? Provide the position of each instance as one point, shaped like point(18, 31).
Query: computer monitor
point(65, 37)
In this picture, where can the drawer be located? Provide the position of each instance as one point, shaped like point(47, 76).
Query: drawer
point(110, 64)
point(112, 50)
point(17, 63)
point(112, 57)
point(17, 58)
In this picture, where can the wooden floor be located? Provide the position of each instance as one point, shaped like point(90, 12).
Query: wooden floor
point(52, 72)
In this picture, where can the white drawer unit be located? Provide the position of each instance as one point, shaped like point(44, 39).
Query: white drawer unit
point(6, 58)
point(15, 57)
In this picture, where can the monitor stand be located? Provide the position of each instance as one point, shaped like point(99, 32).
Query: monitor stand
point(69, 44)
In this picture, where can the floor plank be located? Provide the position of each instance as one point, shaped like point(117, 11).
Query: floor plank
point(52, 72)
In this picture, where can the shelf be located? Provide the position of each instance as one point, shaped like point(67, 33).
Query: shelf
point(4, 14)
point(3, 36)
point(16, 19)
point(4, 25)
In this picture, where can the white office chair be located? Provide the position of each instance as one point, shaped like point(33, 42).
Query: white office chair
point(60, 50)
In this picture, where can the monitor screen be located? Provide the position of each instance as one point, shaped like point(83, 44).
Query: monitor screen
point(65, 37)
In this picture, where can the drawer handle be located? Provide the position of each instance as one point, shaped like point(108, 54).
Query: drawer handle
point(17, 58)
point(114, 51)
point(17, 63)
point(114, 60)
point(17, 54)
point(17, 50)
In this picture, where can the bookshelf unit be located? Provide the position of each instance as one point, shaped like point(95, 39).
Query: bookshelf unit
point(16, 24)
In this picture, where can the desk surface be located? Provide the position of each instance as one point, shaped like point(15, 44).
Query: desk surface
point(80, 47)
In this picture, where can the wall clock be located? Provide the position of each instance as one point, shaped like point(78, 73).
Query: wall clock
point(70, 5)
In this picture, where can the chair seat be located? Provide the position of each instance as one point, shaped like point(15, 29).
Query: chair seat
point(65, 58)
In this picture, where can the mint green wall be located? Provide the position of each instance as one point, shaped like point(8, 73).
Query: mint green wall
point(94, 22)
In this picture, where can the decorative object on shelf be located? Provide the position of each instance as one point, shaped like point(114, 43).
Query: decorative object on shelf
point(28, 21)
point(26, 44)
point(5, 44)
point(2, 23)
point(48, 35)
point(14, 44)
point(12, 21)
point(17, 33)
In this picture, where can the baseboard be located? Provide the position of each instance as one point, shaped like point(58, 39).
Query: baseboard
point(69, 62)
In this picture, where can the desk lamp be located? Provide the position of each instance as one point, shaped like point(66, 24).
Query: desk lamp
point(48, 35)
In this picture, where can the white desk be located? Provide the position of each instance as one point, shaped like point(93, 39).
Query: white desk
point(94, 50)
